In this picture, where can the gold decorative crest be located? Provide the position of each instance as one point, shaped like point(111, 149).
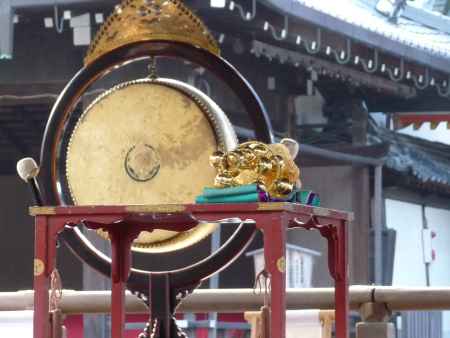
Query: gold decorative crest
point(150, 20)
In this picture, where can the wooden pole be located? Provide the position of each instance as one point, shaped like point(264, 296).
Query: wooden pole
point(360, 229)
point(42, 269)
point(241, 300)
point(275, 258)
point(378, 224)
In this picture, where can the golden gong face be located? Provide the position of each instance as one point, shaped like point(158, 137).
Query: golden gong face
point(143, 143)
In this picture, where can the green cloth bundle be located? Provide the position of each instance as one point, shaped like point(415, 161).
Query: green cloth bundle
point(252, 193)
point(240, 194)
point(307, 197)
point(228, 199)
point(239, 190)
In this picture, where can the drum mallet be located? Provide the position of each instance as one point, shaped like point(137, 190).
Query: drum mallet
point(28, 170)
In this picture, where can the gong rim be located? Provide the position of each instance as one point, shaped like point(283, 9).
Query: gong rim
point(225, 140)
point(91, 73)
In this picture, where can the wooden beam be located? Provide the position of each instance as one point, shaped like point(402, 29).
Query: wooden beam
point(13, 94)
point(375, 152)
point(32, 88)
point(371, 151)
point(427, 101)
point(367, 80)
point(299, 11)
point(38, 3)
point(18, 143)
point(35, 128)
point(360, 195)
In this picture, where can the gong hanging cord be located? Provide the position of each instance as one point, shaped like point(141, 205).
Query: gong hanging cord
point(152, 71)
point(56, 290)
point(263, 280)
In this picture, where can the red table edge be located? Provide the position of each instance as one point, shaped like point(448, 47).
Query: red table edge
point(193, 208)
point(273, 252)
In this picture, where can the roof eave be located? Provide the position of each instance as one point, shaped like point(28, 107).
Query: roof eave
point(361, 34)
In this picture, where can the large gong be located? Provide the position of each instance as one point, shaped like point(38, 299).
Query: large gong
point(146, 141)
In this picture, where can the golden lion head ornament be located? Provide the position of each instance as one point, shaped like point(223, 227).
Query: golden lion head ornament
point(271, 166)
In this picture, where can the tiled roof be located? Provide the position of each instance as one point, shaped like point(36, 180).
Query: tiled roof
point(363, 14)
point(427, 161)
point(345, 16)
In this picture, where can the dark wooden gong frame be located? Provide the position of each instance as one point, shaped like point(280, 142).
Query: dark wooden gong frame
point(171, 282)
point(91, 73)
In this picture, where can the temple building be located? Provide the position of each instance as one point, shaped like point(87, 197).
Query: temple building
point(343, 78)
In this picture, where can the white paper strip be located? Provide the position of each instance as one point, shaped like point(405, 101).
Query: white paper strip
point(303, 324)
point(15, 324)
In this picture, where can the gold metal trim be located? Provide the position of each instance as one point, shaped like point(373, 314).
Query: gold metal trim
point(179, 242)
point(150, 20)
point(271, 206)
point(322, 212)
point(281, 264)
point(36, 211)
point(39, 267)
point(165, 209)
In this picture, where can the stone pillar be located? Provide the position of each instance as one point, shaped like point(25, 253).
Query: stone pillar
point(375, 317)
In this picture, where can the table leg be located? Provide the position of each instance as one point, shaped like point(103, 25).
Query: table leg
point(117, 309)
point(120, 269)
point(275, 258)
point(43, 265)
point(118, 287)
point(337, 238)
point(341, 282)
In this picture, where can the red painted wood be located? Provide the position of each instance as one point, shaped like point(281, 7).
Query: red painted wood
point(118, 309)
point(208, 208)
point(335, 232)
point(231, 318)
point(74, 326)
point(201, 332)
point(41, 323)
point(273, 222)
point(275, 258)
point(148, 222)
point(121, 241)
point(341, 294)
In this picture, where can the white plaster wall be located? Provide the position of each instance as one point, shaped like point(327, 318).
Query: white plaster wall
point(334, 185)
point(406, 219)
point(409, 268)
point(439, 222)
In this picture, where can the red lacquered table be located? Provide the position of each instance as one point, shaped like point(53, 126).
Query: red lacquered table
point(272, 218)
